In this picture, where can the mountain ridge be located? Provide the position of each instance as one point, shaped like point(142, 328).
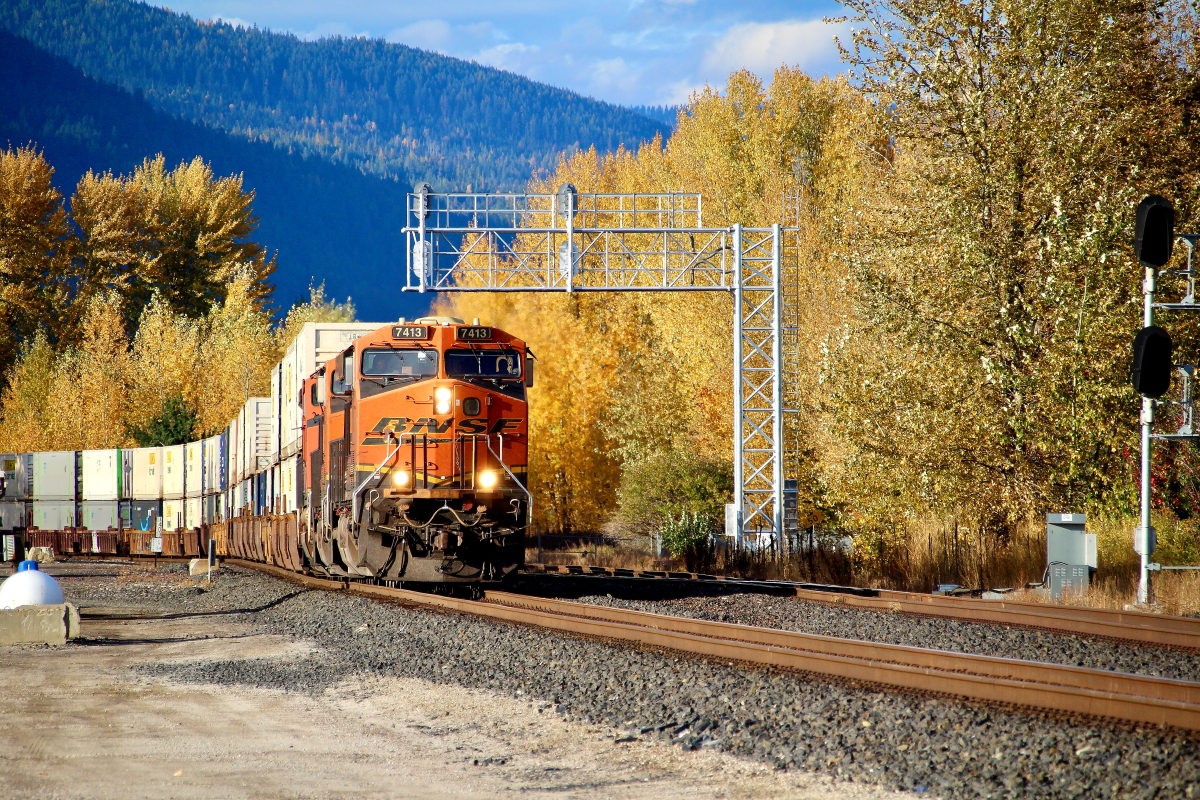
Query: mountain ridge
point(387, 109)
point(312, 212)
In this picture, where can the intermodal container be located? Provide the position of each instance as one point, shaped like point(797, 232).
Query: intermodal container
point(101, 474)
point(54, 475)
point(53, 515)
point(18, 472)
point(147, 473)
point(193, 471)
point(14, 515)
point(172, 514)
point(141, 515)
point(100, 515)
point(173, 472)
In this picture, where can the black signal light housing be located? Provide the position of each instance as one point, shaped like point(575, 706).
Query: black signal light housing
point(1154, 235)
point(1152, 362)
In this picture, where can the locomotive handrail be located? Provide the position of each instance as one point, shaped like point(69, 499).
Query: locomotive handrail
point(358, 491)
point(500, 461)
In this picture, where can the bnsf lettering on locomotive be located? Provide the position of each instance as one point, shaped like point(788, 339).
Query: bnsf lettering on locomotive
point(431, 425)
point(472, 425)
point(503, 425)
point(393, 424)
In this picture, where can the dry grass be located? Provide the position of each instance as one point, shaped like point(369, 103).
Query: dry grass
point(926, 554)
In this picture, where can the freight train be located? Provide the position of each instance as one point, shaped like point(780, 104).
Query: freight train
point(395, 453)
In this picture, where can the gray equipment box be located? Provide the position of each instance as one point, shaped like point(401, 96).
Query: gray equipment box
point(1066, 578)
point(1067, 543)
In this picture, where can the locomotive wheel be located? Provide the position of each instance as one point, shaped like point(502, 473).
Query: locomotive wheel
point(352, 554)
point(323, 545)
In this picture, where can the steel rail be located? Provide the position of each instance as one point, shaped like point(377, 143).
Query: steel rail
point(1127, 698)
point(1178, 632)
point(1030, 671)
point(1133, 626)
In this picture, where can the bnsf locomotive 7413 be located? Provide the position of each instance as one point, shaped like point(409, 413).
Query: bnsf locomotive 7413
point(415, 441)
point(388, 452)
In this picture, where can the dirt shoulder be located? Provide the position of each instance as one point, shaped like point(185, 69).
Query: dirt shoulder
point(80, 721)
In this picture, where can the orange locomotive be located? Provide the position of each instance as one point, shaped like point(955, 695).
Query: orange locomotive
point(414, 455)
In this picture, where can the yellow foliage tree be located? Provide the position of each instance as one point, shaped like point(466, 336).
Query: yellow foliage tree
point(665, 360)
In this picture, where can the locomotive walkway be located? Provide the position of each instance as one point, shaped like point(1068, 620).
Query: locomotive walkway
point(1009, 682)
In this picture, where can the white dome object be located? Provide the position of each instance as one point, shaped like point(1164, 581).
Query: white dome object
point(30, 587)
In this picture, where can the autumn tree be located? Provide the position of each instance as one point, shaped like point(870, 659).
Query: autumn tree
point(35, 248)
point(180, 234)
point(983, 371)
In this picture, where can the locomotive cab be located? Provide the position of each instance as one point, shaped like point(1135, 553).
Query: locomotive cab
point(415, 448)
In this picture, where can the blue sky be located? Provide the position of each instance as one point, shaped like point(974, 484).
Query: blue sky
point(650, 52)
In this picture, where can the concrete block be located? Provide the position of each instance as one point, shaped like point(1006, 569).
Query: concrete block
point(42, 555)
point(39, 624)
point(199, 566)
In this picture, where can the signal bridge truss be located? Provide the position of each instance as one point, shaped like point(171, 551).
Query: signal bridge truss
point(575, 242)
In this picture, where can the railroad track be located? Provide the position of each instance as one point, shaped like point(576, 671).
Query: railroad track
point(1160, 630)
point(1023, 684)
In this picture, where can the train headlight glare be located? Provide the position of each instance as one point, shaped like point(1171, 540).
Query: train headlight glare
point(487, 479)
point(442, 394)
point(400, 478)
point(443, 407)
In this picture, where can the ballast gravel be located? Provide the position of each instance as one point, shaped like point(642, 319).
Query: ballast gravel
point(925, 745)
point(791, 614)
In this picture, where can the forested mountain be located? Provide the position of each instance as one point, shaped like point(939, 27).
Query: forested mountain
point(387, 109)
point(327, 221)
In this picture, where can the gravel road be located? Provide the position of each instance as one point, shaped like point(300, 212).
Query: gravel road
point(924, 745)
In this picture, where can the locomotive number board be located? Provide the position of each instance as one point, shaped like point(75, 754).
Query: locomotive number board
point(474, 333)
point(410, 332)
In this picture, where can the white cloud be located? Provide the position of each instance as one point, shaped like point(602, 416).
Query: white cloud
point(430, 34)
point(761, 47)
point(512, 56)
point(234, 21)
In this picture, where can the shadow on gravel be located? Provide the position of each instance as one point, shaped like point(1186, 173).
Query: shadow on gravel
point(184, 615)
point(97, 641)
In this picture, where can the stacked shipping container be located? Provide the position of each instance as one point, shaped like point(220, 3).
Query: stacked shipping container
point(249, 468)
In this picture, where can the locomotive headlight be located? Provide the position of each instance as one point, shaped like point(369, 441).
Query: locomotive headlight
point(487, 479)
point(443, 407)
point(442, 394)
point(400, 477)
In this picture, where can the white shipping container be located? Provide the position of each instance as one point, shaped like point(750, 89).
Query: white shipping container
point(13, 515)
point(256, 427)
point(233, 451)
point(101, 474)
point(193, 461)
point(214, 478)
point(18, 467)
point(100, 515)
point(172, 514)
point(193, 512)
point(287, 485)
point(173, 472)
point(54, 475)
point(147, 473)
point(316, 343)
point(53, 515)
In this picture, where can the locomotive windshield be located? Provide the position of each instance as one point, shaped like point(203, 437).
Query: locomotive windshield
point(399, 363)
point(487, 364)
